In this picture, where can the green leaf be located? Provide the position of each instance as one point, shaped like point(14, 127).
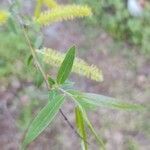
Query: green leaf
point(94, 100)
point(81, 128)
point(78, 96)
point(66, 66)
point(38, 42)
point(38, 79)
point(51, 81)
point(84, 115)
point(52, 94)
point(12, 25)
point(43, 119)
point(68, 85)
point(30, 58)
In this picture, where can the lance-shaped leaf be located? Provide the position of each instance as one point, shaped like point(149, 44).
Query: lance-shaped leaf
point(81, 128)
point(43, 119)
point(38, 80)
point(66, 66)
point(51, 81)
point(68, 85)
point(93, 100)
point(30, 58)
point(84, 116)
point(12, 25)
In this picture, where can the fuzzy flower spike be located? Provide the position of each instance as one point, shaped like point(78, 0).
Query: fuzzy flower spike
point(63, 12)
point(55, 58)
point(51, 3)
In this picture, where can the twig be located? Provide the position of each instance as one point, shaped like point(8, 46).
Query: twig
point(41, 69)
point(47, 84)
point(72, 127)
point(35, 58)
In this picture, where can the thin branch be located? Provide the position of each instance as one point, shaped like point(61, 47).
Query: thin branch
point(35, 58)
point(41, 69)
point(47, 84)
point(72, 127)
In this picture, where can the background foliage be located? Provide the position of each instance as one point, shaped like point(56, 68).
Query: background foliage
point(114, 17)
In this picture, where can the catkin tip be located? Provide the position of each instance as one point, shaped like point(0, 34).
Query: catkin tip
point(55, 58)
point(63, 12)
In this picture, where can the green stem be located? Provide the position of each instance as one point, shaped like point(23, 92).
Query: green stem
point(46, 81)
point(35, 59)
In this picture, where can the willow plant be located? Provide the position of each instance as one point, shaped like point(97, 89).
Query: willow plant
point(60, 88)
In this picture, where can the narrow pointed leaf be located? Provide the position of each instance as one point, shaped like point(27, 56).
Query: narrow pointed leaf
point(38, 42)
point(81, 128)
point(12, 25)
point(52, 94)
point(66, 66)
point(68, 85)
point(51, 81)
point(38, 79)
point(84, 115)
point(94, 100)
point(43, 119)
point(30, 58)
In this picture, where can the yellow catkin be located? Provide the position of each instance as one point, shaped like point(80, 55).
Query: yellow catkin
point(51, 3)
point(67, 12)
point(38, 8)
point(3, 16)
point(80, 67)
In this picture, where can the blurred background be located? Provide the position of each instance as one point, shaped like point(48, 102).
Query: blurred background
point(116, 39)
